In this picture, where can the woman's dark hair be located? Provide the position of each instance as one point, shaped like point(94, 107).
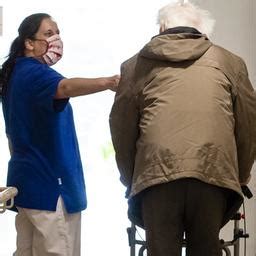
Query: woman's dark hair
point(27, 30)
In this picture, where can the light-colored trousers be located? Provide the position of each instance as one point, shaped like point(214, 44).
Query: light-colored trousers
point(47, 233)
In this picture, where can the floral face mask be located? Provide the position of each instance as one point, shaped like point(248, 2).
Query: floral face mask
point(54, 50)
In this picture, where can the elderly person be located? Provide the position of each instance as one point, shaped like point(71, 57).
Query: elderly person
point(183, 128)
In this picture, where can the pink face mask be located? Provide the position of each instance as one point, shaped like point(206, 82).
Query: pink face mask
point(54, 50)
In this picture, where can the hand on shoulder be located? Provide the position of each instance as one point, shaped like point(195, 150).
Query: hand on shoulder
point(112, 82)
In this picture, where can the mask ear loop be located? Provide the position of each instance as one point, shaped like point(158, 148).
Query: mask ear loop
point(47, 45)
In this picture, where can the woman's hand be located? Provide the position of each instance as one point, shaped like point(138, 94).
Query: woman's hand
point(112, 82)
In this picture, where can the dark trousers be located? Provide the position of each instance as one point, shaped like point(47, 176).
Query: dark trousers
point(185, 206)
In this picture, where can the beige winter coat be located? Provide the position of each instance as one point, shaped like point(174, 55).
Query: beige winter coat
point(184, 108)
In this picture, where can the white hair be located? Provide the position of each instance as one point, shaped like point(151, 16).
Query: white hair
point(185, 14)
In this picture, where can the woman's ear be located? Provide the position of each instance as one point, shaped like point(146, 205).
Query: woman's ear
point(29, 45)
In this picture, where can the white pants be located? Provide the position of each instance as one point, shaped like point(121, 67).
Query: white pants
point(47, 233)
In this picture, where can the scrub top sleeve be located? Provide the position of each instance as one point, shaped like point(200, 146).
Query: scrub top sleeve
point(45, 87)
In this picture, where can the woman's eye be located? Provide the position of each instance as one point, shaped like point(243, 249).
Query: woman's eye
point(48, 34)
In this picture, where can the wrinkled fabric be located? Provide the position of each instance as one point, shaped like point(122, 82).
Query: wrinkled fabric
point(54, 50)
point(185, 108)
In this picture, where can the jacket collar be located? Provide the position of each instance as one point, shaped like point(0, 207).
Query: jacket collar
point(181, 29)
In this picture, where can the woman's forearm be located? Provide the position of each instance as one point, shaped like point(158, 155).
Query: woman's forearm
point(74, 87)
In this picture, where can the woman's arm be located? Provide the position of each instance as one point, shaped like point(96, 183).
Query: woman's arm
point(74, 87)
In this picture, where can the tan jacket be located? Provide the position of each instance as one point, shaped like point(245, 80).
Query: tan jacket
point(184, 108)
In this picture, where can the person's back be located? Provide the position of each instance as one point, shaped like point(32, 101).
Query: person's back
point(187, 120)
point(182, 127)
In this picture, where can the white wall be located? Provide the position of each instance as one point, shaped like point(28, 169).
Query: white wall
point(236, 30)
point(1, 20)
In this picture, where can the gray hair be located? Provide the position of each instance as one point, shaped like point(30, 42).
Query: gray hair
point(185, 14)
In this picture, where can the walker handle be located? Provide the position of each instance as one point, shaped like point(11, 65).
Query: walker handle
point(246, 191)
point(7, 195)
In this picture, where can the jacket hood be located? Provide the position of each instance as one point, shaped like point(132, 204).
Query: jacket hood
point(176, 47)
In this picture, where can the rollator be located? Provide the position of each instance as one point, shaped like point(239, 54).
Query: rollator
point(140, 244)
point(7, 195)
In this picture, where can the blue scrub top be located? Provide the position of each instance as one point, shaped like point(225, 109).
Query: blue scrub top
point(45, 162)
